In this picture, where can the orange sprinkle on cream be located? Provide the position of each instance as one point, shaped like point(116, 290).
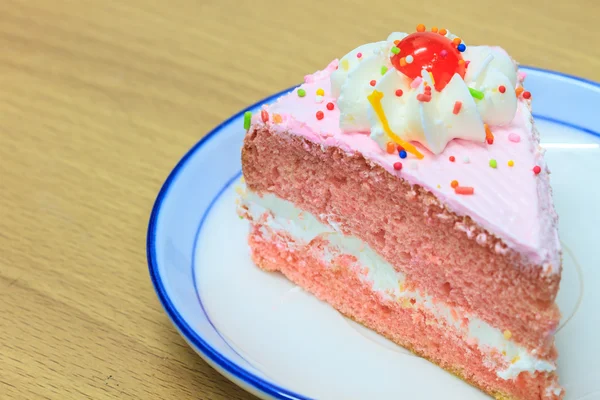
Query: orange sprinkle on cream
point(420, 28)
point(519, 90)
point(443, 32)
point(391, 147)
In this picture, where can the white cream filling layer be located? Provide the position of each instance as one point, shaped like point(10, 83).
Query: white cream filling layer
point(303, 227)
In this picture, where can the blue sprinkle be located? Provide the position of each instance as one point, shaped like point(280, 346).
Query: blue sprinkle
point(461, 47)
point(402, 154)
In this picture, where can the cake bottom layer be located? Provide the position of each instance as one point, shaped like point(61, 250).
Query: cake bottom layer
point(340, 280)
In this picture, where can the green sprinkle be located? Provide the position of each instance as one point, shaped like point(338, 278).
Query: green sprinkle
point(301, 92)
point(476, 93)
point(395, 50)
point(383, 70)
point(493, 163)
point(247, 118)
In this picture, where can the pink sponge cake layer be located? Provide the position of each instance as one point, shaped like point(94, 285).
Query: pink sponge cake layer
point(465, 277)
point(408, 227)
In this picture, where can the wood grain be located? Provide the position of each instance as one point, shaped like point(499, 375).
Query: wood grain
point(98, 101)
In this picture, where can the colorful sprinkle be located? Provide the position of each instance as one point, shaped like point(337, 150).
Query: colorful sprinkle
point(264, 115)
point(420, 28)
point(330, 106)
point(454, 184)
point(398, 166)
point(457, 106)
point(537, 169)
point(493, 163)
point(409, 59)
point(402, 154)
point(395, 50)
point(526, 95)
point(501, 89)
point(511, 163)
point(345, 64)
point(320, 92)
point(373, 82)
point(402, 62)
point(358, 55)
point(489, 136)
point(443, 32)
point(390, 147)
point(452, 158)
point(476, 93)
point(301, 92)
point(399, 92)
point(461, 47)
point(320, 115)
point(507, 334)
point(519, 90)
point(399, 148)
point(513, 137)
point(277, 118)
point(443, 53)
point(247, 119)
point(466, 160)
point(423, 97)
point(416, 82)
point(383, 70)
point(456, 41)
point(318, 99)
point(434, 29)
point(464, 190)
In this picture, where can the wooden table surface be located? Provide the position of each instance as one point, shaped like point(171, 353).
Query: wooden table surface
point(98, 101)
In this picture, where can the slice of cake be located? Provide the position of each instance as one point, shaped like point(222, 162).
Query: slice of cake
point(405, 186)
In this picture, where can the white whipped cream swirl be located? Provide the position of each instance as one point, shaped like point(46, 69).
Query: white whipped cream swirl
point(433, 123)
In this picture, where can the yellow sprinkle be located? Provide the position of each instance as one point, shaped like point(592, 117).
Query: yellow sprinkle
point(511, 163)
point(375, 100)
point(514, 360)
point(242, 180)
point(439, 186)
point(504, 353)
point(507, 334)
point(401, 286)
point(320, 92)
point(345, 65)
point(432, 79)
point(277, 118)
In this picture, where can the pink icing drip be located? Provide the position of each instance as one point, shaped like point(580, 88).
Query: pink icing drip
point(510, 202)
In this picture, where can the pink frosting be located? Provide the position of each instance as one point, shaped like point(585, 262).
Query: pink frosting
point(512, 203)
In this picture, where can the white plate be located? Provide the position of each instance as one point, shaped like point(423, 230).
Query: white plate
point(279, 342)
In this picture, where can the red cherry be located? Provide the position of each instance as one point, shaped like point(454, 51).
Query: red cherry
point(432, 52)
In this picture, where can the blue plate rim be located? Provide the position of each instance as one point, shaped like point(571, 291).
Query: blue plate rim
point(189, 334)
